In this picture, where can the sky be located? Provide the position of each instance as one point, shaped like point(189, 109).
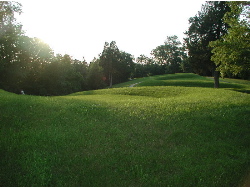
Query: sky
point(81, 27)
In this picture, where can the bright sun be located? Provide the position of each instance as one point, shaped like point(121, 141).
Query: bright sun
point(80, 28)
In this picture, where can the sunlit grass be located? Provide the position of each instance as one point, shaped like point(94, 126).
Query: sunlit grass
point(131, 82)
point(239, 81)
point(141, 136)
point(188, 80)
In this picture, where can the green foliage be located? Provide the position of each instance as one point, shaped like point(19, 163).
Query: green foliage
point(170, 54)
point(10, 31)
point(29, 64)
point(60, 77)
point(146, 66)
point(108, 59)
point(32, 57)
point(7, 11)
point(117, 65)
point(145, 136)
point(231, 52)
point(167, 58)
point(206, 26)
point(95, 77)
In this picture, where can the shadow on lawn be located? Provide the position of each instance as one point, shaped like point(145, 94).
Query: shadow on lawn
point(196, 83)
point(179, 76)
point(205, 84)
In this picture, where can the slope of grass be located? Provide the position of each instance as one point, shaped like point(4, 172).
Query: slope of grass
point(133, 81)
point(142, 136)
point(188, 80)
point(238, 81)
point(193, 80)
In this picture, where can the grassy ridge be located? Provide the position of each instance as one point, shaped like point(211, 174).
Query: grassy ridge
point(143, 136)
point(189, 80)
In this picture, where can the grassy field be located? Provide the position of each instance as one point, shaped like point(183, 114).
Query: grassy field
point(170, 130)
point(189, 80)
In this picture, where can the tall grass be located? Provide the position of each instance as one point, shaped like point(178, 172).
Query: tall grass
point(142, 136)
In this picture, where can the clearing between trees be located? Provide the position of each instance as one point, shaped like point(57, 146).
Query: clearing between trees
point(169, 130)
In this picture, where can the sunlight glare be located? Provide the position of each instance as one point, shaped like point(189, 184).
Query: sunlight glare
point(80, 28)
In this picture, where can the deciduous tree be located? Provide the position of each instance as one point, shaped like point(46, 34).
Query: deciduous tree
point(170, 54)
point(206, 26)
point(117, 65)
point(231, 53)
point(108, 59)
point(95, 77)
point(10, 31)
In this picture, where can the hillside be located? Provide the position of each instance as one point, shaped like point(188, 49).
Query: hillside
point(171, 130)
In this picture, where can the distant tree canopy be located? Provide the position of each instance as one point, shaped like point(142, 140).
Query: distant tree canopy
point(117, 65)
point(170, 55)
point(147, 66)
point(167, 58)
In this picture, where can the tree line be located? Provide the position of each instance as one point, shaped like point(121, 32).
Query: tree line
point(216, 44)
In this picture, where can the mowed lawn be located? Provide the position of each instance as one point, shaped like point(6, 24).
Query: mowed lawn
point(170, 130)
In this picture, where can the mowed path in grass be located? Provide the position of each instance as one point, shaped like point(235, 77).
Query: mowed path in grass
point(156, 134)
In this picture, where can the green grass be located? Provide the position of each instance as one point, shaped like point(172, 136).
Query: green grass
point(162, 135)
point(188, 80)
point(133, 81)
point(238, 81)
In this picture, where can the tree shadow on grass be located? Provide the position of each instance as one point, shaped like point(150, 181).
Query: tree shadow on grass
point(179, 76)
point(205, 84)
point(196, 83)
point(241, 90)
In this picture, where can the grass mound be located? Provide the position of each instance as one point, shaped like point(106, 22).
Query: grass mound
point(180, 76)
point(188, 80)
point(141, 136)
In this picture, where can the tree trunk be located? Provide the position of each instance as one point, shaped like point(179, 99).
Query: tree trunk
point(110, 80)
point(216, 79)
